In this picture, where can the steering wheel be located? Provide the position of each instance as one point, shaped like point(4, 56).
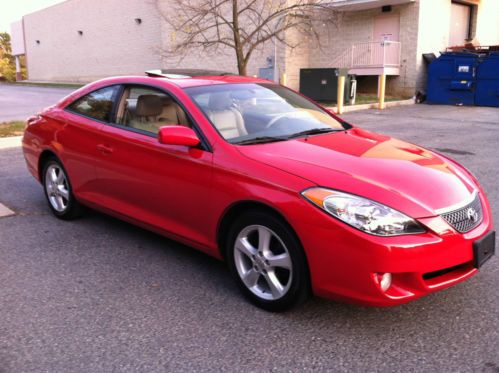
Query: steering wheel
point(275, 119)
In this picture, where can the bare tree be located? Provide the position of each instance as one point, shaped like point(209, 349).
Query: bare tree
point(242, 25)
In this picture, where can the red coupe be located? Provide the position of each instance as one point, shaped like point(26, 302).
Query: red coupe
point(293, 198)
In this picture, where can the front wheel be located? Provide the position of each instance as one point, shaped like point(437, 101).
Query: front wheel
point(268, 262)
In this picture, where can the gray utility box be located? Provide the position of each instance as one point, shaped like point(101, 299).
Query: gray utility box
point(266, 73)
point(322, 84)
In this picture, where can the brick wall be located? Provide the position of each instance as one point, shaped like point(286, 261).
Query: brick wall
point(405, 83)
point(357, 26)
point(294, 58)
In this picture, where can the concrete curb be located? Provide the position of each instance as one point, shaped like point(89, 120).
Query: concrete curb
point(388, 104)
point(10, 142)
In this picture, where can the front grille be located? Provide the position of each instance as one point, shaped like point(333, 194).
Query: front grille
point(465, 218)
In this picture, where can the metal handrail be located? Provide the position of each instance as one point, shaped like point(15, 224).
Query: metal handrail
point(370, 54)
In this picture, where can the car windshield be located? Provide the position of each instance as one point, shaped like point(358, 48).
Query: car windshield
point(257, 113)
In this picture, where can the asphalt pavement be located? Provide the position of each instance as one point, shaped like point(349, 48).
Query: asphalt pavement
point(98, 294)
point(18, 102)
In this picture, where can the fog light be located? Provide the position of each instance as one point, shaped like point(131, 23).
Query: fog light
point(385, 280)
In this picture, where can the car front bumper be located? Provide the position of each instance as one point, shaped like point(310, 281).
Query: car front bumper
point(344, 262)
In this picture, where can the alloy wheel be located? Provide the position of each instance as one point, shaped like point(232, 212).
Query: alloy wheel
point(263, 262)
point(56, 186)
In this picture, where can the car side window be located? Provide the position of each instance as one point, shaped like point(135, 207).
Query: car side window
point(148, 109)
point(97, 104)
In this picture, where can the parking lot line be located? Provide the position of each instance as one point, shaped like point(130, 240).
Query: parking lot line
point(5, 211)
point(10, 142)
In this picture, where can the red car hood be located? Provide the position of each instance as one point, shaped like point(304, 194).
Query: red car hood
point(406, 177)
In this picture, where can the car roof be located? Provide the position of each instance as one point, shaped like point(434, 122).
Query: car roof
point(180, 80)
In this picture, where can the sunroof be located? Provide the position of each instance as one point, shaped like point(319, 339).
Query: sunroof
point(184, 73)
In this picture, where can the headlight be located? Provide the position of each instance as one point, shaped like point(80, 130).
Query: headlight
point(361, 213)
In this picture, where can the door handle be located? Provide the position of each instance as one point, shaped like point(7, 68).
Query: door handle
point(104, 149)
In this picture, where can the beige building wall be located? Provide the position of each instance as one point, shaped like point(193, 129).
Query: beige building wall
point(112, 42)
point(17, 38)
point(435, 18)
point(487, 28)
point(434, 23)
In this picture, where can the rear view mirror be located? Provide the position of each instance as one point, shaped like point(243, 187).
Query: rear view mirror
point(178, 135)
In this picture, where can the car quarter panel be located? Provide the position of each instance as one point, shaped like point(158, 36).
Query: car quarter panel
point(71, 138)
point(78, 152)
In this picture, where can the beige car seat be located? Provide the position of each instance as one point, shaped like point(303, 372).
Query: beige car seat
point(153, 112)
point(172, 113)
point(227, 120)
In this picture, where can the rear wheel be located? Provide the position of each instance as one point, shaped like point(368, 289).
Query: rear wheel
point(58, 191)
point(267, 262)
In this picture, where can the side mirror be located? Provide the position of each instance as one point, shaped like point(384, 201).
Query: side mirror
point(178, 135)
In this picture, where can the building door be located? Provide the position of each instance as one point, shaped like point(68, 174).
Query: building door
point(459, 24)
point(386, 30)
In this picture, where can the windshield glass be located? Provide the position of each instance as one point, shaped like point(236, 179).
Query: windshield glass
point(251, 113)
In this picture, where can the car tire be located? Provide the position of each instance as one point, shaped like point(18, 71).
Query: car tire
point(267, 261)
point(58, 191)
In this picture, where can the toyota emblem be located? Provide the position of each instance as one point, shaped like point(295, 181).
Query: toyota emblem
point(472, 215)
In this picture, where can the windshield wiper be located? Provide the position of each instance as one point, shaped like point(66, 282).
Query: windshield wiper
point(260, 140)
point(264, 139)
point(313, 131)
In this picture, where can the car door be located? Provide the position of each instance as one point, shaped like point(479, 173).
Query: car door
point(78, 138)
point(164, 186)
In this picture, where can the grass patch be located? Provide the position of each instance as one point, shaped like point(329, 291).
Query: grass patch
point(371, 99)
point(47, 84)
point(13, 128)
point(363, 98)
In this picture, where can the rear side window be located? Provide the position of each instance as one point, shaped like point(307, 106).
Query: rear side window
point(97, 104)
